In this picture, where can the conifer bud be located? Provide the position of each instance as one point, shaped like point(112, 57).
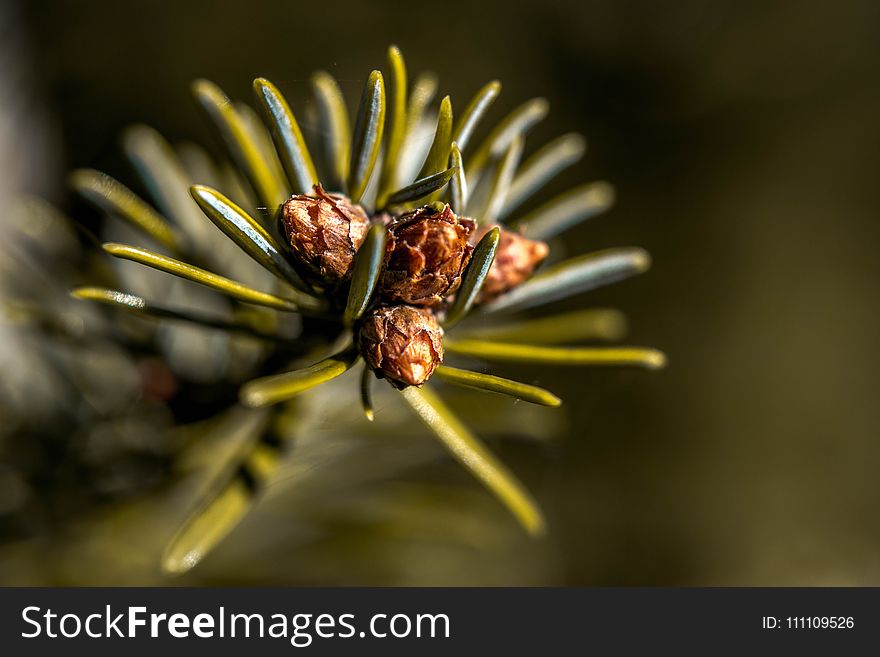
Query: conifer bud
point(324, 232)
point(401, 343)
point(425, 254)
point(516, 259)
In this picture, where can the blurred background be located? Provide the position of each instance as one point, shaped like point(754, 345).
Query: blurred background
point(744, 142)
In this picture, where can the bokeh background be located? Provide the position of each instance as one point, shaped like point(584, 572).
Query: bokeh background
point(744, 142)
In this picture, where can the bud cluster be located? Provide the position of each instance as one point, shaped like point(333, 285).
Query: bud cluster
point(426, 253)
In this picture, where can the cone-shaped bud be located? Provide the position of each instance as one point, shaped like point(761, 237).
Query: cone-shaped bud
point(401, 343)
point(324, 232)
point(516, 259)
point(425, 255)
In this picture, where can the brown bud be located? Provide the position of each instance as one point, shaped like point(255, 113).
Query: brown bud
point(516, 258)
point(402, 343)
point(425, 254)
point(324, 231)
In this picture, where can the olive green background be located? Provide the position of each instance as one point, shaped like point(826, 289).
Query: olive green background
point(744, 141)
